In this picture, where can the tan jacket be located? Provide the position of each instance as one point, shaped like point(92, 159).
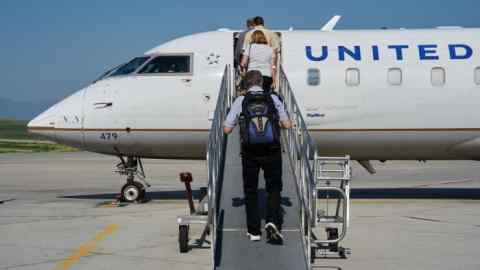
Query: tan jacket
point(272, 38)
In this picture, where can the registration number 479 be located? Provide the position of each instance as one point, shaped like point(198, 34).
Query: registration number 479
point(107, 136)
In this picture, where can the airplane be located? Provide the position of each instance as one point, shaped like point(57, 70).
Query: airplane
point(386, 94)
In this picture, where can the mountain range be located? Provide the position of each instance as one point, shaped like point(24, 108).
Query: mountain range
point(21, 110)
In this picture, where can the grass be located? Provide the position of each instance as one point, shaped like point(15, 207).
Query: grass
point(15, 129)
point(14, 138)
point(29, 146)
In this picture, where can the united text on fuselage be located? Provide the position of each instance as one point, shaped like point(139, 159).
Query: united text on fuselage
point(424, 52)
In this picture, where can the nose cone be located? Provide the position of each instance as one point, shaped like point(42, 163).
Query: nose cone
point(62, 122)
point(44, 123)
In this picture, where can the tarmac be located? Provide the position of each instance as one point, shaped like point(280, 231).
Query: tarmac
point(56, 213)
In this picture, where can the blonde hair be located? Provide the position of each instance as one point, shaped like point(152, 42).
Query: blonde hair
point(259, 38)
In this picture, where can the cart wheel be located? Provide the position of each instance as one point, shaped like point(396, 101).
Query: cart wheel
point(332, 233)
point(183, 238)
point(344, 253)
point(313, 254)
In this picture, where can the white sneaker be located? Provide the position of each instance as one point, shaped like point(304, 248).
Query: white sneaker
point(254, 237)
point(272, 232)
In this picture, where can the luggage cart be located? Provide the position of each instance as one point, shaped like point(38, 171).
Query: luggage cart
point(331, 206)
point(198, 215)
point(206, 213)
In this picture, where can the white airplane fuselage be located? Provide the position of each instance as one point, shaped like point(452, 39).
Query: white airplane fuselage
point(372, 94)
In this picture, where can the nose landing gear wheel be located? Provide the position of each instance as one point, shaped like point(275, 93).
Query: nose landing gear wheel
point(132, 192)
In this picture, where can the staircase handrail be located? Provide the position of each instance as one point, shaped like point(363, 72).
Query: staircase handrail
point(302, 151)
point(216, 150)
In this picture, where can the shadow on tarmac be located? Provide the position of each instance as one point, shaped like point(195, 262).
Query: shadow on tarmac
point(152, 195)
point(356, 193)
point(416, 193)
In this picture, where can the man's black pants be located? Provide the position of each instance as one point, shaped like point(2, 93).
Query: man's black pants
point(272, 171)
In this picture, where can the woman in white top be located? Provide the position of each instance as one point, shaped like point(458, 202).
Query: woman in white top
point(259, 56)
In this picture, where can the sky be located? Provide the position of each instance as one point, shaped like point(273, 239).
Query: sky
point(49, 49)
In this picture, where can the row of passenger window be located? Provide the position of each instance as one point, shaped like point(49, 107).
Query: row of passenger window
point(394, 76)
point(166, 64)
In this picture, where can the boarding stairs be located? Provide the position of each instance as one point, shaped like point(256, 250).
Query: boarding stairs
point(315, 196)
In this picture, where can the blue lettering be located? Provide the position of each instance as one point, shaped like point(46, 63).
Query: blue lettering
point(398, 50)
point(428, 52)
point(457, 51)
point(454, 55)
point(375, 53)
point(322, 57)
point(356, 54)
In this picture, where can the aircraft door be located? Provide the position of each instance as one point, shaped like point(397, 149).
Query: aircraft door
point(157, 103)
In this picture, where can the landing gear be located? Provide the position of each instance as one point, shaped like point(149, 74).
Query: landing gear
point(132, 191)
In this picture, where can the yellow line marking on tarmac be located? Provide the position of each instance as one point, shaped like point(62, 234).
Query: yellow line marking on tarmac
point(108, 206)
point(86, 248)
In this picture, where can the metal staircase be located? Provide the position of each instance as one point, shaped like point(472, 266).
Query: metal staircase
point(318, 216)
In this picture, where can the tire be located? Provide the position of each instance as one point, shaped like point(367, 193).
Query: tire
point(143, 193)
point(313, 254)
point(343, 254)
point(183, 238)
point(332, 233)
point(132, 192)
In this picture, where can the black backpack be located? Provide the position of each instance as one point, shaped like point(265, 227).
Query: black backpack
point(259, 124)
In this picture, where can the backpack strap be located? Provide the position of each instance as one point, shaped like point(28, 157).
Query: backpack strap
point(271, 92)
point(245, 100)
point(271, 104)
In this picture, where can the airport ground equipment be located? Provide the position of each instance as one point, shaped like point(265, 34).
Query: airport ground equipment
point(198, 215)
point(332, 206)
point(231, 248)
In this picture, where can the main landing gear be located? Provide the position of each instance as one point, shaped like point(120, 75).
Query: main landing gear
point(133, 190)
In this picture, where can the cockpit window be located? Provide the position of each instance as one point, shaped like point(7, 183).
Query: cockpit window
point(107, 73)
point(130, 67)
point(168, 64)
